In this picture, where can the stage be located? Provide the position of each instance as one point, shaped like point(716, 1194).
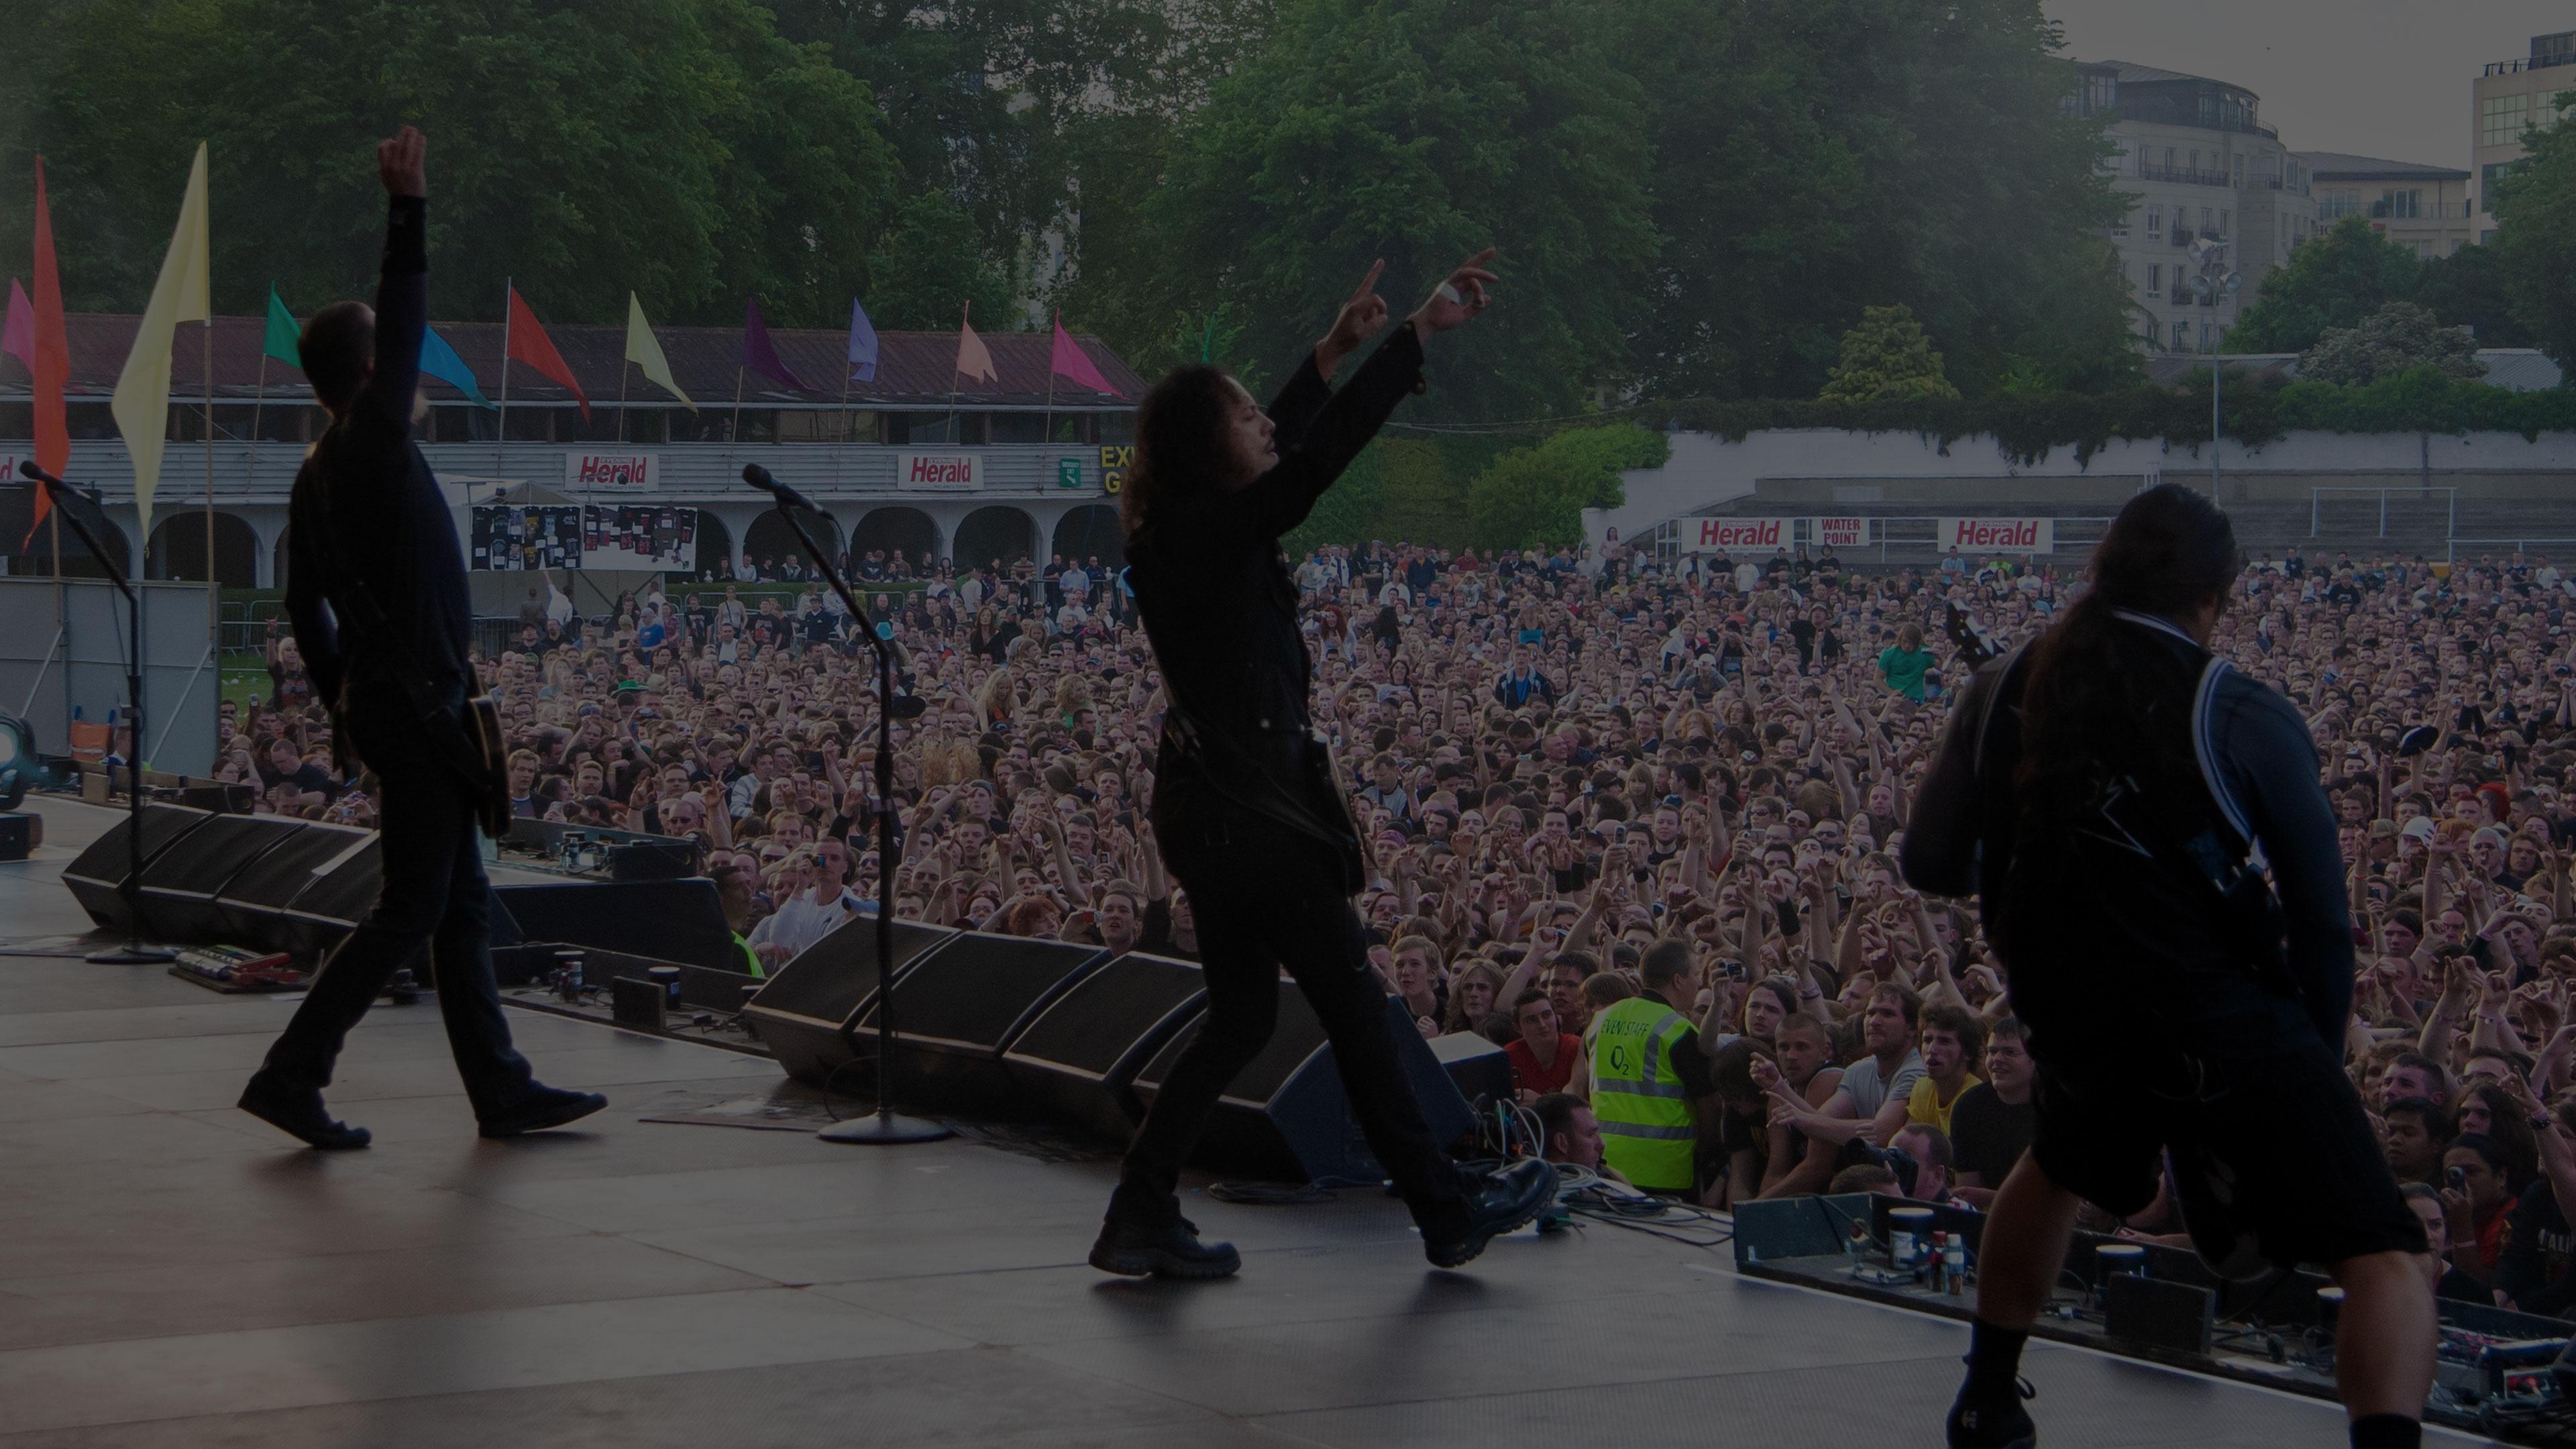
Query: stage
point(174, 1273)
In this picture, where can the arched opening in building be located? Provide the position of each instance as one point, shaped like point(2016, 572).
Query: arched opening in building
point(907, 531)
point(715, 546)
point(1007, 534)
point(771, 544)
point(178, 550)
point(1092, 532)
point(36, 559)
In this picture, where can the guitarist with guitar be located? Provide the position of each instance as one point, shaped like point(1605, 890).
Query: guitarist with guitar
point(378, 600)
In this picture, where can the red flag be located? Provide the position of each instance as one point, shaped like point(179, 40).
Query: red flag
point(529, 344)
point(1072, 362)
point(53, 364)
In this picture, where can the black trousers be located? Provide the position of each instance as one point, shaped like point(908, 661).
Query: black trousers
point(1264, 898)
point(434, 896)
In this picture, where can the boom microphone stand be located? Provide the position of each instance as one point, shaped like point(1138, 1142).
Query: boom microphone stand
point(133, 952)
point(887, 1126)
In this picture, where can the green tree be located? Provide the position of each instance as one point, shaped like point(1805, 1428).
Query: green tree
point(2467, 289)
point(1816, 157)
point(2536, 240)
point(678, 148)
point(1535, 497)
point(927, 266)
point(1886, 358)
point(1417, 131)
point(2395, 339)
point(2335, 280)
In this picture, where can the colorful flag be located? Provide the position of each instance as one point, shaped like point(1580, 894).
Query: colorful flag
point(1071, 361)
point(530, 344)
point(439, 360)
point(863, 344)
point(53, 360)
point(974, 359)
point(18, 326)
point(758, 355)
point(284, 340)
point(142, 401)
point(645, 350)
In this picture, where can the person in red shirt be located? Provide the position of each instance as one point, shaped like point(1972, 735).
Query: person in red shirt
point(1544, 1058)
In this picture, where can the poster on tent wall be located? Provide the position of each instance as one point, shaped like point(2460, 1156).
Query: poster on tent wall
point(639, 536)
point(518, 538)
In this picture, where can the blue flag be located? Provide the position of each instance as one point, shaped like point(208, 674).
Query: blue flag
point(863, 344)
point(440, 361)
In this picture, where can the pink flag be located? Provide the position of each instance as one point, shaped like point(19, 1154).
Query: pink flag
point(974, 359)
point(18, 327)
point(1072, 362)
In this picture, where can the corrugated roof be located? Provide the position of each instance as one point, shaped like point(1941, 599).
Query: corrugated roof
point(912, 367)
point(2331, 165)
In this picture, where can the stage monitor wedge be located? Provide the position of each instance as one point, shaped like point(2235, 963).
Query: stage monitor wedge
point(957, 1009)
point(1285, 1116)
point(1077, 1058)
point(254, 902)
point(96, 878)
point(183, 883)
point(802, 1012)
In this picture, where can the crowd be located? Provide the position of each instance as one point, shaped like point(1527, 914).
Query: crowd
point(1633, 817)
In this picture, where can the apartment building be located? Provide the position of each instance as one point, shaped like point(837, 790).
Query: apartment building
point(2512, 97)
point(2425, 208)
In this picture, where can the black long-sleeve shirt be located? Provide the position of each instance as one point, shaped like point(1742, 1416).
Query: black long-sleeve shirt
point(367, 505)
point(1217, 601)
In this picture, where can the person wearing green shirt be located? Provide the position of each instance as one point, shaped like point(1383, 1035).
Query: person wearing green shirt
point(1906, 661)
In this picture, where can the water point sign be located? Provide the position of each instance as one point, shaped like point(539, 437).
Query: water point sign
point(944, 472)
point(1839, 532)
point(630, 472)
point(1734, 535)
point(1997, 535)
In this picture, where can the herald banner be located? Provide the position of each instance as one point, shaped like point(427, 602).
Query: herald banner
point(1734, 535)
point(1997, 535)
point(631, 472)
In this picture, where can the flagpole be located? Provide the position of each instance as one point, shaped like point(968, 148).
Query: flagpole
point(501, 439)
point(965, 321)
point(733, 430)
point(842, 451)
point(622, 369)
point(214, 603)
point(1046, 430)
point(250, 454)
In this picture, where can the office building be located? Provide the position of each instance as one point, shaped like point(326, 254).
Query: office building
point(2512, 97)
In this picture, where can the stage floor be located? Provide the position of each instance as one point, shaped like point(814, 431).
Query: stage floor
point(173, 1273)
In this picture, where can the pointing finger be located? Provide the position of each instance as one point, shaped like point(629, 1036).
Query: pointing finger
point(1368, 283)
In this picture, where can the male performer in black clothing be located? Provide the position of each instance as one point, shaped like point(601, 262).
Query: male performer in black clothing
point(2157, 867)
point(378, 590)
point(1245, 807)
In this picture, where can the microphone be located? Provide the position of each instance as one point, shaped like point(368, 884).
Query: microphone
point(758, 477)
point(33, 474)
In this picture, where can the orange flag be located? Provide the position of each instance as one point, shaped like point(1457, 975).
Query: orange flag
point(974, 359)
point(53, 361)
point(530, 344)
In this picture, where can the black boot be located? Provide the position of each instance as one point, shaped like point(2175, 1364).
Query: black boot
point(1993, 1419)
point(1496, 1203)
point(300, 1115)
point(1132, 1250)
point(540, 1108)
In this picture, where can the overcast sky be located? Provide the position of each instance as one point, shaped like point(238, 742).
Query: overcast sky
point(2387, 78)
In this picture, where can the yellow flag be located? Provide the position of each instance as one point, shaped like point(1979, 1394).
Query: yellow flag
point(142, 405)
point(645, 351)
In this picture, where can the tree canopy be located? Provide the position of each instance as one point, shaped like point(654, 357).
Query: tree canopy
point(2393, 340)
point(2536, 240)
point(2334, 280)
point(1887, 358)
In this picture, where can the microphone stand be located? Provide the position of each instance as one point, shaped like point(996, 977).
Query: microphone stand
point(887, 1127)
point(133, 952)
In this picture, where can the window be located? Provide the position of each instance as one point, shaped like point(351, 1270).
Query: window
point(2101, 93)
point(2404, 205)
point(2208, 222)
point(2238, 171)
point(2181, 334)
point(2195, 161)
point(2502, 119)
point(2488, 176)
point(2155, 279)
point(826, 425)
point(2169, 155)
point(2207, 331)
point(2226, 222)
point(2155, 219)
point(1015, 428)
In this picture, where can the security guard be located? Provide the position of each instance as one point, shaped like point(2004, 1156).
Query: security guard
point(1647, 1069)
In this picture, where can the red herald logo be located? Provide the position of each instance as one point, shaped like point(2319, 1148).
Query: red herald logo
point(612, 472)
point(2019, 533)
point(934, 472)
point(1731, 534)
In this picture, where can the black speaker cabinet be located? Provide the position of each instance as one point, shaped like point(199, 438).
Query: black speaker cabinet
point(800, 1014)
point(253, 904)
point(1077, 1059)
point(1481, 1070)
point(672, 920)
point(957, 1008)
point(183, 882)
point(334, 899)
point(96, 877)
point(1285, 1116)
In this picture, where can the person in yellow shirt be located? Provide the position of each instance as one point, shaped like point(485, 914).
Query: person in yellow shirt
point(1952, 1037)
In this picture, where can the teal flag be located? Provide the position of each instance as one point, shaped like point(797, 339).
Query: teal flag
point(440, 361)
point(282, 332)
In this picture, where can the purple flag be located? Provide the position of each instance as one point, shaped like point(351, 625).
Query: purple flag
point(758, 355)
